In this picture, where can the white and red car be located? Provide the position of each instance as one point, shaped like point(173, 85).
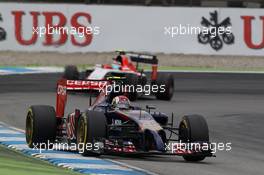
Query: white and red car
point(123, 66)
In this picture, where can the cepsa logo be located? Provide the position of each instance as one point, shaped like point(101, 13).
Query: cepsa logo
point(49, 18)
point(79, 84)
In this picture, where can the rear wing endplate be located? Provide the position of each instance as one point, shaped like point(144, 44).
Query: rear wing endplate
point(63, 85)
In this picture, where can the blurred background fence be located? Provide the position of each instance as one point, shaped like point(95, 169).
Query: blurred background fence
point(197, 3)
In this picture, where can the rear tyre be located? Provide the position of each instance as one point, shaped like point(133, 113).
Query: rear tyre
point(193, 128)
point(88, 72)
point(90, 132)
point(84, 75)
point(41, 125)
point(166, 81)
point(71, 73)
point(132, 79)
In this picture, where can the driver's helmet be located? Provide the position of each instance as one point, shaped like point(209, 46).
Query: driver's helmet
point(121, 102)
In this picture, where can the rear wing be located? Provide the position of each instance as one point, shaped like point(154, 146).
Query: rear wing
point(140, 57)
point(63, 85)
point(143, 58)
point(86, 84)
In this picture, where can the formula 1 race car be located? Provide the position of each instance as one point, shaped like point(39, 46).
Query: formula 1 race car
point(123, 66)
point(111, 125)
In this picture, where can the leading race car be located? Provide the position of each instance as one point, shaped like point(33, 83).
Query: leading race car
point(112, 125)
point(123, 66)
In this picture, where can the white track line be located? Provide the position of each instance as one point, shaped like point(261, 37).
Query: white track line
point(25, 147)
point(94, 166)
point(67, 156)
point(19, 147)
point(8, 131)
point(11, 127)
point(132, 167)
point(32, 70)
point(12, 139)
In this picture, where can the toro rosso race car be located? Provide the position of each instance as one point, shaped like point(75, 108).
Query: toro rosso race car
point(112, 125)
point(123, 66)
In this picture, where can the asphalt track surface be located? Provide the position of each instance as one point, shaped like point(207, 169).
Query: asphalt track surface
point(233, 105)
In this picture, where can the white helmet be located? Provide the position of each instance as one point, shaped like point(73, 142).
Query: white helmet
point(121, 102)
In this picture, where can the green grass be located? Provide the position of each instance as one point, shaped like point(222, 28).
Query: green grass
point(175, 68)
point(210, 69)
point(198, 69)
point(15, 163)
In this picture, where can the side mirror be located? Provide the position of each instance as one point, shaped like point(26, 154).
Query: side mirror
point(149, 107)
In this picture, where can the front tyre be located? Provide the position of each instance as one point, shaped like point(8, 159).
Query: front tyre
point(41, 125)
point(132, 80)
point(193, 128)
point(165, 81)
point(194, 158)
point(90, 132)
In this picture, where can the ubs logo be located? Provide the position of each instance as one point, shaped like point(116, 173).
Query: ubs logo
point(218, 33)
point(2, 30)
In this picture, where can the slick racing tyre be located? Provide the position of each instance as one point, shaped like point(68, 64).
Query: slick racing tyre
point(40, 125)
point(166, 81)
point(90, 131)
point(193, 128)
point(84, 75)
point(132, 79)
point(71, 73)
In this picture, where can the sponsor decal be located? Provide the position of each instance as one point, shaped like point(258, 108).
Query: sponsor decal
point(86, 83)
point(248, 32)
point(218, 33)
point(61, 90)
point(51, 28)
point(78, 84)
point(2, 30)
point(67, 29)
